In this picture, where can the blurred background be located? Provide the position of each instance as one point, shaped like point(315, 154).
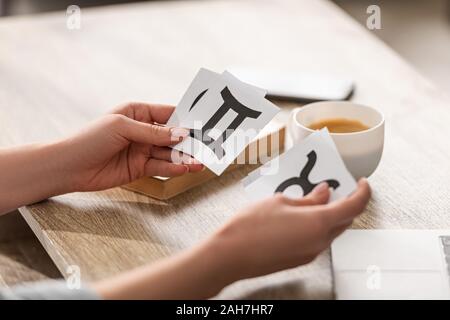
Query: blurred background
point(419, 30)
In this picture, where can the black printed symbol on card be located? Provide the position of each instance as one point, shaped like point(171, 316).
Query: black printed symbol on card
point(303, 180)
point(229, 103)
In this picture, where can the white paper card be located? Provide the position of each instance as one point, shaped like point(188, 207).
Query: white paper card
point(301, 168)
point(224, 115)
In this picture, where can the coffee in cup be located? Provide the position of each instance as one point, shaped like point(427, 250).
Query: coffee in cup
point(339, 125)
point(357, 131)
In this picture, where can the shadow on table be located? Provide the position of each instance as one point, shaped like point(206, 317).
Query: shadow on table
point(118, 213)
point(22, 257)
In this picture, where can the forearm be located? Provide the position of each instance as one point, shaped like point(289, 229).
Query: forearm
point(199, 273)
point(30, 174)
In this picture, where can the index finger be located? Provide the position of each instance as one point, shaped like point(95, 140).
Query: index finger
point(348, 208)
point(146, 112)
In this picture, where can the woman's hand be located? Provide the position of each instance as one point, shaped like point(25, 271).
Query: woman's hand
point(280, 233)
point(118, 148)
point(268, 236)
point(125, 145)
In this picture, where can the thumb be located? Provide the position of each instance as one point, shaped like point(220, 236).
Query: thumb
point(319, 195)
point(147, 133)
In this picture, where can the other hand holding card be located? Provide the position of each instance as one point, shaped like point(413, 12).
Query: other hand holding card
point(296, 172)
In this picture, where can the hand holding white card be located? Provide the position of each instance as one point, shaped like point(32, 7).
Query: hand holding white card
point(296, 172)
point(224, 115)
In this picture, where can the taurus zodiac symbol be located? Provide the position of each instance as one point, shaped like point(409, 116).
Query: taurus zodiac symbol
point(303, 180)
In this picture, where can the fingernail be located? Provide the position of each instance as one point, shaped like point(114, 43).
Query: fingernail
point(193, 161)
point(362, 180)
point(178, 134)
point(322, 187)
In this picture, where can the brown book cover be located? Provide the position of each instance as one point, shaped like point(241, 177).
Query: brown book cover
point(268, 144)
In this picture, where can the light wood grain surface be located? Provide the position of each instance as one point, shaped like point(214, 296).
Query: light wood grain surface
point(53, 81)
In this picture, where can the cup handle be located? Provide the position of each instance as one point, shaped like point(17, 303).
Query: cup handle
point(290, 125)
point(290, 136)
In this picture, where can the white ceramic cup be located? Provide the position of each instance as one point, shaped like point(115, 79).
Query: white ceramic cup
point(361, 151)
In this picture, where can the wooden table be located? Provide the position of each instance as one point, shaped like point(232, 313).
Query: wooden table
point(53, 81)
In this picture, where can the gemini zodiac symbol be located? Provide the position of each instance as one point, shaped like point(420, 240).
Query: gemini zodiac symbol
point(303, 180)
point(229, 103)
